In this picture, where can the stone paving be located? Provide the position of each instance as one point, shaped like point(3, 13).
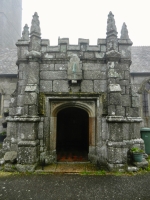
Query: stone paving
point(68, 167)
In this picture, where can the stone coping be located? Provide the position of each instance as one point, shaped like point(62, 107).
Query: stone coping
point(23, 119)
point(123, 119)
point(124, 143)
point(28, 143)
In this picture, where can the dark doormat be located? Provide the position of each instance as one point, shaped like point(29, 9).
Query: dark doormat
point(72, 156)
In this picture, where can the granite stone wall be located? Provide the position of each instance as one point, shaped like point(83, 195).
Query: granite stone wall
point(93, 78)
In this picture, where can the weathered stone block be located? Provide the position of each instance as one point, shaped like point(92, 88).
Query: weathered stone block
point(87, 86)
point(88, 55)
point(114, 88)
point(125, 51)
point(10, 156)
point(32, 110)
point(11, 129)
point(135, 101)
point(99, 55)
point(134, 112)
point(113, 73)
point(74, 88)
point(20, 100)
point(115, 99)
point(21, 89)
point(63, 41)
point(19, 111)
point(126, 131)
point(30, 98)
point(40, 131)
point(61, 67)
point(93, 48)
point(73, 47)
point(131, 131)
point(111, 81)
point(117, 155)
point(32, 88)
point(26, 168)
point(123, 89)
point(13, 102)
point(78, 53)
point(22, 67)
point(94, 66)
point(103, 48)
point(120, 111)
point(53, 48)
point(101, 41)
point(27, 131)
point(26, 110)
point(137, 133)
point(143, 164)
point(94, 75)
point(127, 75)
point(100, 85)
point(35, 44)
point(111, 110)
point(12, 111)
point(8, 167)
point(53, 75)
point(126, 101)
point(60, 86)
point(45, 86)
point(63, 48)
point(48, 55)
point(127, 89)
point(116, 131)
point(60, 55)
point(20, 75)
point(33, 73)
point(47, 67)
point(124, 82)
point(105, 132)
point(28, 155)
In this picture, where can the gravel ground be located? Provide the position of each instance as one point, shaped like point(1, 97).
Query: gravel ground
point(74, 187)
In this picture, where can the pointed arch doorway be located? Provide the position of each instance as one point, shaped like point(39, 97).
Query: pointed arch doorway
point(72, 141)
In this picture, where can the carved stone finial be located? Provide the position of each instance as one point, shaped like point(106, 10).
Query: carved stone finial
point(111, 27)
point(35, 27)
point(124, 32)
point(25, 33)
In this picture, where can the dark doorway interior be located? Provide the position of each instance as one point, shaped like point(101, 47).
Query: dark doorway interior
point(72, 135)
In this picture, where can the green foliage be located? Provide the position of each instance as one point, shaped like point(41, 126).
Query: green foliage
point(136, 150)
point(148, 169)
point(3, 133)
point(101, 172)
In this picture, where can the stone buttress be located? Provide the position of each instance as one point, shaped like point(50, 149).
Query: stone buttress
point(93, 78)
point(123, 114)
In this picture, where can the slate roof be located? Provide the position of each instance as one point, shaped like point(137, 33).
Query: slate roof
point(140, 56)
point(8, 58)
point(140, 60)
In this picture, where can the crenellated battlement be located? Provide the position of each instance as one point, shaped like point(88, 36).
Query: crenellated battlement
point(66, 78)
point(82, 49)
point(82, 44)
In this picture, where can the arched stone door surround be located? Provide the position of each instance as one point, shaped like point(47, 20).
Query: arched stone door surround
point(56, 106)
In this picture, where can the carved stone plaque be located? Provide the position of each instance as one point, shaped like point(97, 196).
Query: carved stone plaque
point(74, 68)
